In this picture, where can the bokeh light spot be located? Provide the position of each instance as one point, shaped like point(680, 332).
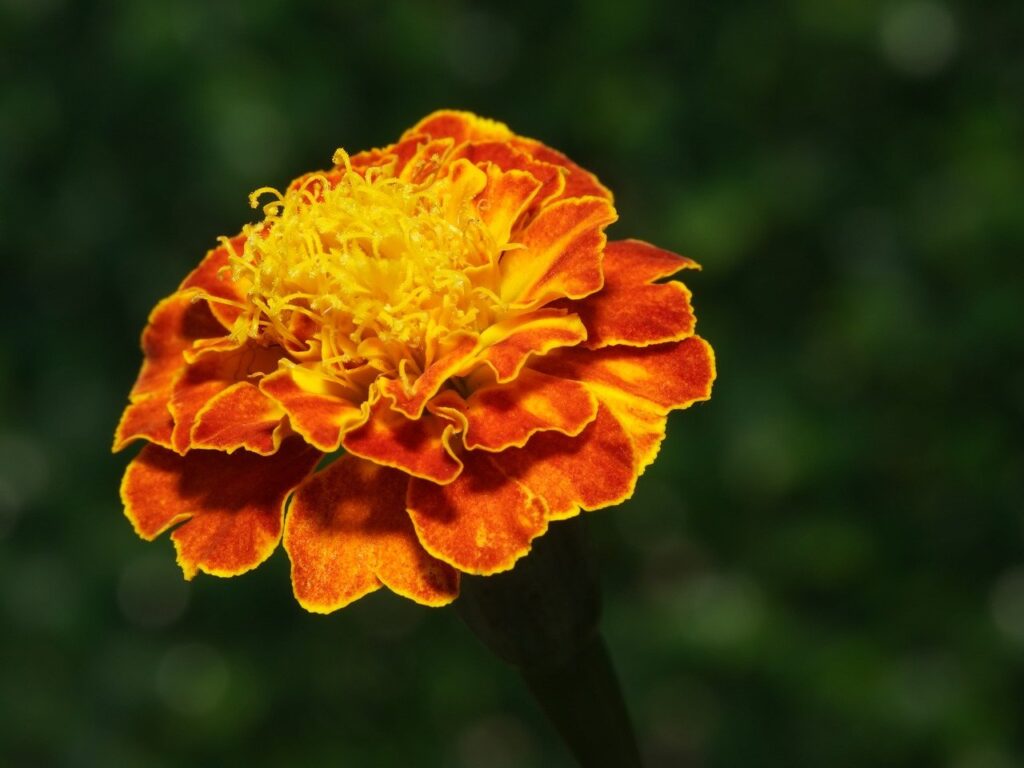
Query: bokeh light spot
point(1007, 604)
point(919, 38)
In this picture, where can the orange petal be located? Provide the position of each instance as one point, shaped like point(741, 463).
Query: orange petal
point(629, 309)
point(592, 470)
point(503, 416)
point(213, 277)
point(175, 324)
point(507, 158)
point(347, 531)
point(215, 369)
point(642, 262)
point(460, 126)
point(417, 446)
point(668, 376)
point(426, 161)
point(579, 182)
point(481, 523)
point(239, 417)
point(411, 397)
point(371, 158)
point(318, 409)
point(562, 253)
point(146, 419)
point(506, 197)
point(506, 346)
point(233, 503)
point(643, 421)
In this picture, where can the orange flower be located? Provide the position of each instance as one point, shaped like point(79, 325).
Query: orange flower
point(446, 313)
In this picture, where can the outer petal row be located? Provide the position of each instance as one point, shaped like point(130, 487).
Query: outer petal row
point(347, 533)
point(482, 522)
point(631, 309)
point(174, 325)
point(233, 504)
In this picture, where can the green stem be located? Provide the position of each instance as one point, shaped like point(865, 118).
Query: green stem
point(542, 618)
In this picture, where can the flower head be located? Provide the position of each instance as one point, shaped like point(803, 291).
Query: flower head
point(446, 320)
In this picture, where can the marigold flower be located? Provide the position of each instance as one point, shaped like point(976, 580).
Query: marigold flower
point(448, 315)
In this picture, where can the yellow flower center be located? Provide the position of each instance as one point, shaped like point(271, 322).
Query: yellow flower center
point(368, 268)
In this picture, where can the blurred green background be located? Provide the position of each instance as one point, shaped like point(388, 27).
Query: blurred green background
point(826, 565)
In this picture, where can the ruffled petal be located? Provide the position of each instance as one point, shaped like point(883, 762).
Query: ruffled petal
point(460, 126)
point(426, 161)
point(592, 470)
point(213, 278)
point(642, 262)
point(668, 376)
point(579, 182)
point(371, 158)
point(175, 324)
point(507, 196)
point(501, 416)
point(642, 420)
point(233, 503)
point(481, 523)
point(561, 254)
point(239, 417)
point(630, 309)
point(507, 346)
point(417, 446)
point(146, 419)
point(347, 531)
point(409, 397)
point(318, 409)
point(500, 154)
point(214, 370)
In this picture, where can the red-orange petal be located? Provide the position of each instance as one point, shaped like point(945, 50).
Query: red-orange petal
point(410, 397)
point(145, 419)
point(233, 504)
point(642, 262)
point(347, 531)
point(481, 523)
point(214, 370)
point(175, 324)
point(668, 376)
point(507, 158)
point(460, 126)
point(371, 158)
point(213, 277)
point(561, 255)
point(630, 309)
point(318, 409)
point(507, 196)
point(419, 447)
point(501, 416)
point(591, 470)
point(426, 161)
point(579, 182)
point(507, 346)
point(642, 420)
point(239, 417)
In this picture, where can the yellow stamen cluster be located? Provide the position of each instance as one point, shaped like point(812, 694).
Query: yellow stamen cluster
point(362, 267)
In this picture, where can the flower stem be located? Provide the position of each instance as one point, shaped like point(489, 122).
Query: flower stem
point(542, 618)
